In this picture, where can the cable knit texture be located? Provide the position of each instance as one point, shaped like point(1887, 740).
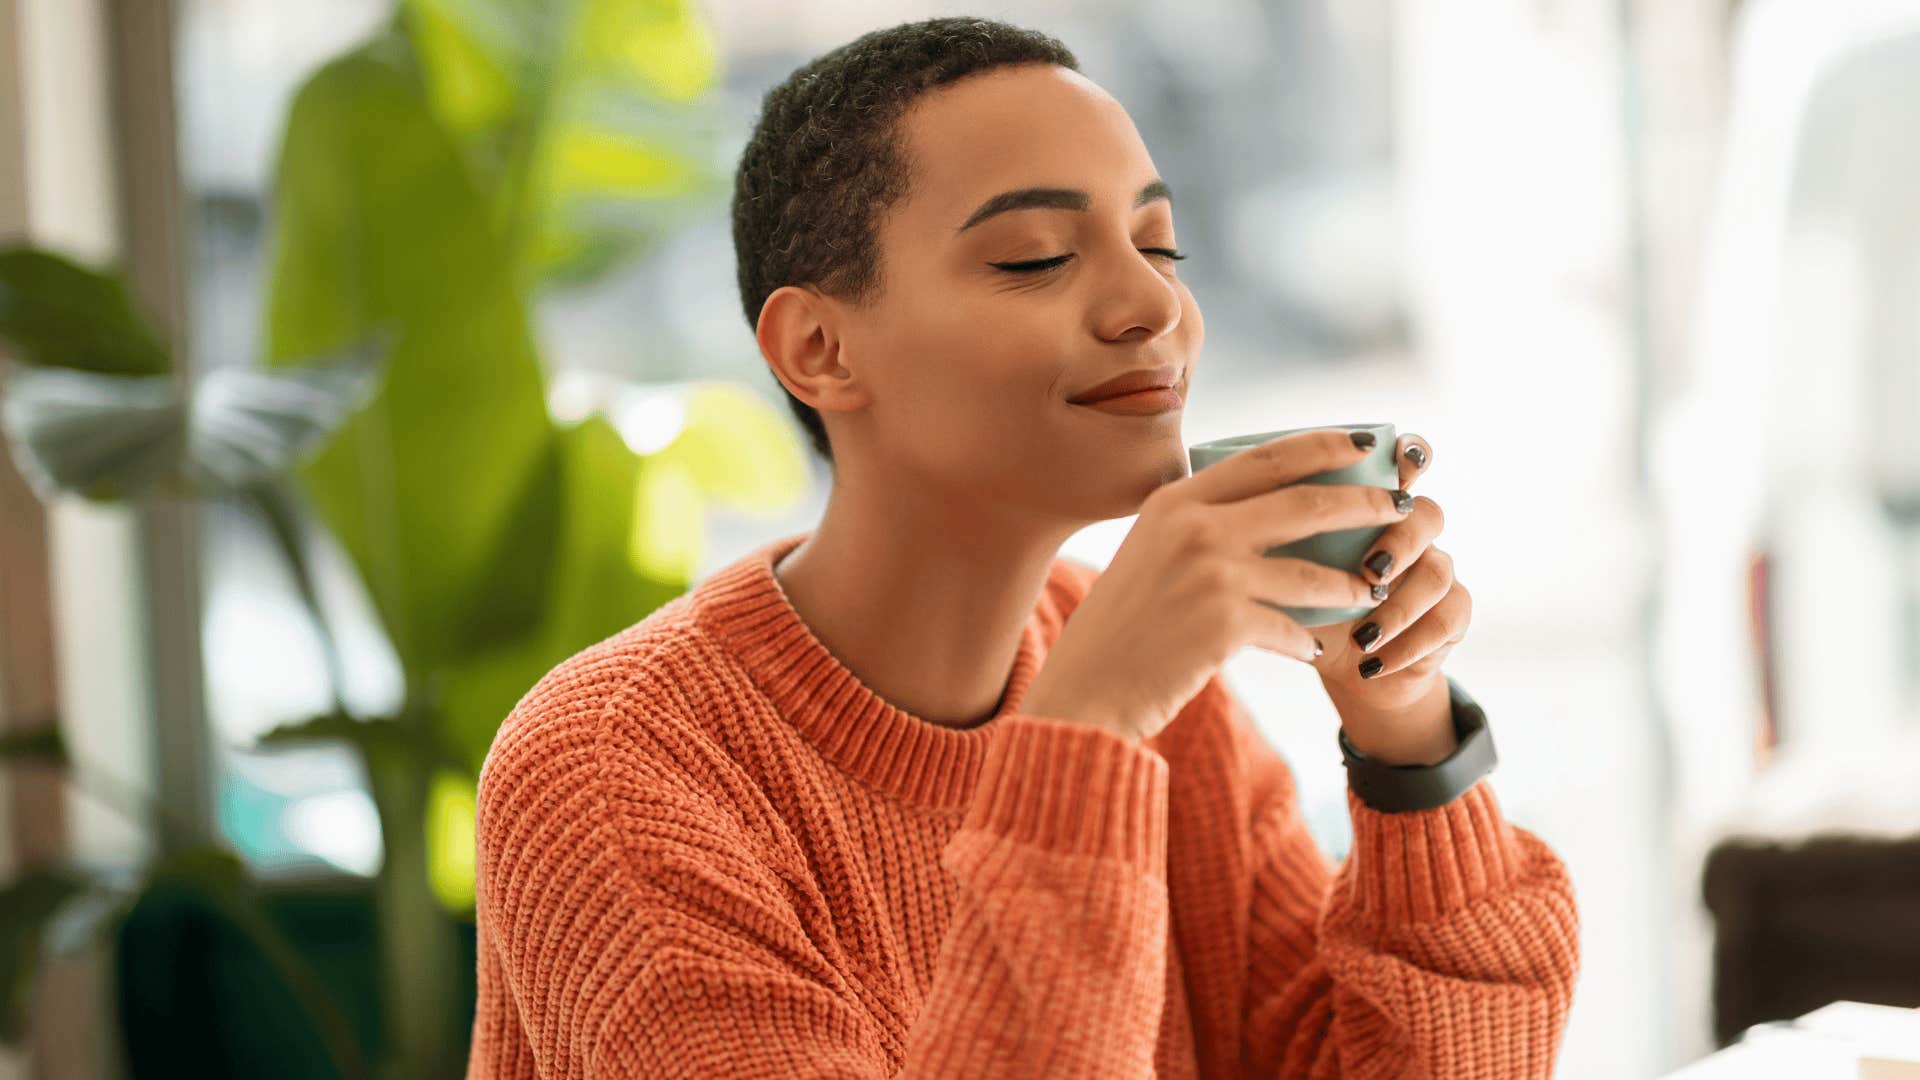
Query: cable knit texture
point(707, 849)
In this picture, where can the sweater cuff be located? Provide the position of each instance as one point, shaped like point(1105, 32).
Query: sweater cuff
point(1075, 789)
point(1421, 865)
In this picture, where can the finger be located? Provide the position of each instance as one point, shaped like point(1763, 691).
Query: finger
point(1275, 463)
point(1427, 664)
point(1300, 510)
point(1276, 632)
point(1413, 454)
point(1402, 544)
point(1305, 583)
point(1426, 583)
point(1443, 624)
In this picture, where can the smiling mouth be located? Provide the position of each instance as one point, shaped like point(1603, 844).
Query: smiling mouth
point(1161, 377)
point(1151, 402)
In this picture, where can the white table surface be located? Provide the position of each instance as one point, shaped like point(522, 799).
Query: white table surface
point(1846, 1040)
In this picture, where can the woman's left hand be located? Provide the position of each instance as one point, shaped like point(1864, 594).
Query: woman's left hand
point(1389, 659)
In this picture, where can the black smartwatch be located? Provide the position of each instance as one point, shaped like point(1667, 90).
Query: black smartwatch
point(1397, 788)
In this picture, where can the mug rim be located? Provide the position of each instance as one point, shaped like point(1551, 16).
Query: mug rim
point(1241, 442)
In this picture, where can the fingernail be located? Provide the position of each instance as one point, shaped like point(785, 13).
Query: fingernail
point(1362, 439)
point(1417, 456)
point(1371, 666)
point(1380, 562)
point(1380, 591)
point(1317, 647)
point(1402, 501)
point(1364, 635)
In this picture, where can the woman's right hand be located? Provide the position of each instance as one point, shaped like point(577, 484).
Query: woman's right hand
point(1179, 597)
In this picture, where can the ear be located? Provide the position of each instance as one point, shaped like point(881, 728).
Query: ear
point(800, 340)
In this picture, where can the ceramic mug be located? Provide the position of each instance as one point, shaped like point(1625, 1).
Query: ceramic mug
point(1342, 549)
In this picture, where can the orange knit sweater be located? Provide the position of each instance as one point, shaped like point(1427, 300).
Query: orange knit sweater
point(707, 849)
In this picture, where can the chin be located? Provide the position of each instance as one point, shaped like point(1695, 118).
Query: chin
point(1129, 489)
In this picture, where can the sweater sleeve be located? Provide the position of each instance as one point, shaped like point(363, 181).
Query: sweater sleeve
point(1445, 944)
point(1055, 962)
point(629, 926)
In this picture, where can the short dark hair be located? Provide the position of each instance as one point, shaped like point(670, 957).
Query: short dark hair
point(826, 159)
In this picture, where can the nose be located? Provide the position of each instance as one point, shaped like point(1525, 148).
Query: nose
point(1141, 298)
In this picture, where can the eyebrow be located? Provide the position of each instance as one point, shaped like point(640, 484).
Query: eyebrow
point(1052, 198)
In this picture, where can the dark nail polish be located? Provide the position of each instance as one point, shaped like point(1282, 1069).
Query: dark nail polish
point(1417, 456)
point(1362, 439)
point(1317, 647)
point(1364, 635)
point(1402, 501)
point(1380, 562)
point(1371, 666)
point(1380, 592)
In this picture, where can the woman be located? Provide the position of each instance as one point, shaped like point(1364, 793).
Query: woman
point(867, 802)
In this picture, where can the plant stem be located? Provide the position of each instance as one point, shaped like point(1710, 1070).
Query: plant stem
point(415, 941)
point(415, 938)
point(275, 504)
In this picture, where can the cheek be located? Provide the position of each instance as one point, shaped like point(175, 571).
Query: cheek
point(990, 351)
point(933, 384)
point(978, 406)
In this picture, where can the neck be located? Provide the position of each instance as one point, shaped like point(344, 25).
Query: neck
point(924, 605)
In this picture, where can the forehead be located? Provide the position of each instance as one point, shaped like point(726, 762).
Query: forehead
point(1037, 124)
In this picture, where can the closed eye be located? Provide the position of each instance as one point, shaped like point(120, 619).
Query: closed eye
point(1048, 264)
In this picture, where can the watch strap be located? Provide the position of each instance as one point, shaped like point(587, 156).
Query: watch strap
point(1401, 788)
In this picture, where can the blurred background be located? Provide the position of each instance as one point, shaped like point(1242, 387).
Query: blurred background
point(366, 358)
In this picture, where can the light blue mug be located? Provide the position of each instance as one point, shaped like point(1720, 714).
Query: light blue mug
point(1342, 549)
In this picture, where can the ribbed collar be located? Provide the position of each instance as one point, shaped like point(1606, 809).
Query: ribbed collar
point(743, 607)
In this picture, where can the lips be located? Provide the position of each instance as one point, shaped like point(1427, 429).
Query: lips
point(1164, 377)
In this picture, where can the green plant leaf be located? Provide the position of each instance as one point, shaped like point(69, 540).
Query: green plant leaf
point(209, 869)
point(631, 527)
point(103, 437)
point(663, 47)
point(43, 744)
point(412, 740)
point(58, 313)
point(27, 904)
point(565, 108)
point(468, 59)
point(247, 426)
point(598, 588)
point(739, 449)
point(435, 488)
point(109, 437)
point(450, 839)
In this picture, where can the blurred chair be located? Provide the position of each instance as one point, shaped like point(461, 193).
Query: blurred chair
point(1815, 893)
